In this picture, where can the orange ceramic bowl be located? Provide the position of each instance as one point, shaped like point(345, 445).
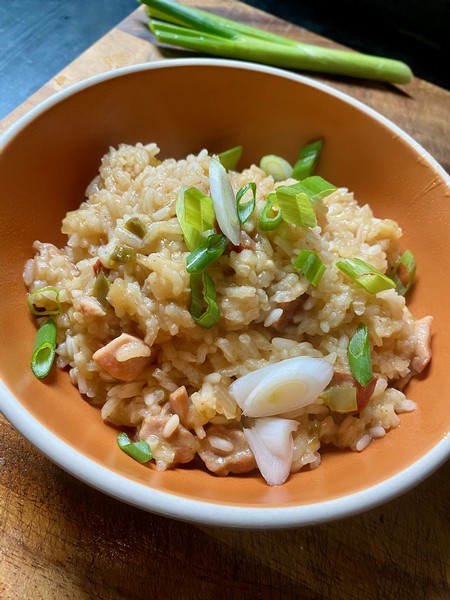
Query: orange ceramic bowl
point(51, 154)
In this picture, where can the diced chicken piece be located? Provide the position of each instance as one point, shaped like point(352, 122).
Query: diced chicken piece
point(182, 405)
point(226, 451)
point(422, 330)
point(289, 309)
point(97, 266)
point(89, 306)
point(179, 403)
point(179, 447)
point(400, 384)
point(245, 241)
point(125, 357)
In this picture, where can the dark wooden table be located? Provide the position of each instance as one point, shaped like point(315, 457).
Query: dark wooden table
point(61, 539)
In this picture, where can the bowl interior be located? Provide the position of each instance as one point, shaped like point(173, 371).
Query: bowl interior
point(44, 170)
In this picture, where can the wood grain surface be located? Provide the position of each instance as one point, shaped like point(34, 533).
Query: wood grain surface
point(61, 539)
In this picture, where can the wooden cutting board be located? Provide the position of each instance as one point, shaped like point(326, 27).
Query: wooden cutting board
point(61, 539)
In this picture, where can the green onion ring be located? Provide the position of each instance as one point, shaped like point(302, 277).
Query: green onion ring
point(44, 349)
point(44, 312)
point(277, 167)
point(205, 254)
point(268, 221)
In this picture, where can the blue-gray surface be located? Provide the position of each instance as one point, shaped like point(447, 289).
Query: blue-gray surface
point(39, 38)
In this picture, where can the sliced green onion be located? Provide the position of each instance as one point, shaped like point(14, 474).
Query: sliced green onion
point(358, 353)
point(199, 209)
point(192, 236)
point(341, 398)
point(33, 301)
point(230, 158)
point(406, 263)
point(123, 254)
point(224, 201)
point(195, 212)
point(276, 166)
point(134, 225)
point(316, 187)
point(101, 288)
point(270, 216)
point(44, 349)
point(296, 207)
point(307, 160)
point(246, 208)
point(198, 30)
point(203, 306)
point(140, 451)
point(203, 22)
point(205, 254)
point(310, 264)
point(365, 275)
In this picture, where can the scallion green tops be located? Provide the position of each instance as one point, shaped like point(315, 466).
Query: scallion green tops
point(201, 31)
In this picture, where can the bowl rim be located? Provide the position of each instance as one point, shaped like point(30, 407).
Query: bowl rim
point(199, 511)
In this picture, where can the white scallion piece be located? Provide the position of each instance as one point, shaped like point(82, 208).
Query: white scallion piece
point(271, 442)
point(282, 387)
point(224, 201)
point(276, 166)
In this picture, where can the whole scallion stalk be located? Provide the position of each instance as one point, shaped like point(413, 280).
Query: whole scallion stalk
point(187, 27)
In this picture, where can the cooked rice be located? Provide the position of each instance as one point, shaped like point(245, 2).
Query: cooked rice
point(149, 298)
